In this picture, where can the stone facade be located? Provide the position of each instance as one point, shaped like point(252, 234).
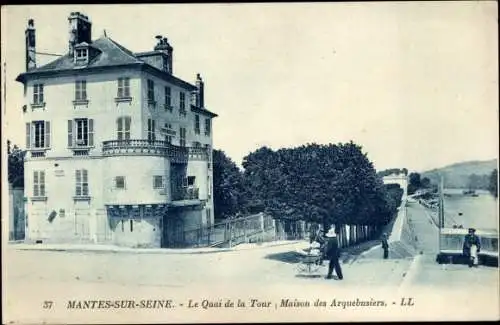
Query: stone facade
point(119, 149)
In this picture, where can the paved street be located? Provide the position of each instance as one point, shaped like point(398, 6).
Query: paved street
point(31, 277)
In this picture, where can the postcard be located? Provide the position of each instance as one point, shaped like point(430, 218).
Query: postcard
point(250, 162)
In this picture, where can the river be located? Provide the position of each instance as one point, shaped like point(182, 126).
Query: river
point(480, 212)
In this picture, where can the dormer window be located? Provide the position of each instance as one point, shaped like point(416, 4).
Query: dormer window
point(82, 53)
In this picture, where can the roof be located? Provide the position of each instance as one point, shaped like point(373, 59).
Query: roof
point(109, 54)
point(202, 111)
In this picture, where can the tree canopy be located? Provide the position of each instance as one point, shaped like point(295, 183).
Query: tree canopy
point(319, 183)
point(229, 195)
point(15, 165)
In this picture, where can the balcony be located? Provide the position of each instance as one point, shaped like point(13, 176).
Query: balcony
point(186, 196)
point(153, 148)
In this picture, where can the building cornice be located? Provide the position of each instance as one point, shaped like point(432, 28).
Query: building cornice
point(203, 111)
point(142, 66)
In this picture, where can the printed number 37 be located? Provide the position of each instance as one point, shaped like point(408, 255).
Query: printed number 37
point(47, 304)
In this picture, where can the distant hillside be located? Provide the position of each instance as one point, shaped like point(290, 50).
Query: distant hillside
point(474, 174)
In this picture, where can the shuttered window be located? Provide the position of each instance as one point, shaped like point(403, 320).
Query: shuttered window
point(123, 87)
point(81, 133)
point(38, 94)
point(38, 183)
point(123, 127)
point(81, 182)
point(151, 130)
point(81, 90)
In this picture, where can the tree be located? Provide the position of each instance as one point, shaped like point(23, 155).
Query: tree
point(493, 184)
point(15, 165)
point(414, 183)
point(331, 184)
point(228, 186)
point(425, 182)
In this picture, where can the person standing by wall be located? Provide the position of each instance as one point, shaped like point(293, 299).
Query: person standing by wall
point(385, 245)
point(471, 247)
point(333, 253)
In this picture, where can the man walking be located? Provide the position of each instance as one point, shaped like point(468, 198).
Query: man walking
point(333, 253)
point(471, 247)
point(385, 246)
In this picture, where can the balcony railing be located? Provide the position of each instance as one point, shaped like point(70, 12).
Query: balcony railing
point(153, 147)
point(185, 193)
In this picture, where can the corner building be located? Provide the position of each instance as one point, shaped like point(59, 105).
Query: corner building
point(118, 148)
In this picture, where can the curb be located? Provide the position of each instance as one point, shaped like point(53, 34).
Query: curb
point(411, 273)
point(145, 250)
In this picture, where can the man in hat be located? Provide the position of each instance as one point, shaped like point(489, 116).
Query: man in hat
point(471, 247)
point(333, 253)
point(385, 245)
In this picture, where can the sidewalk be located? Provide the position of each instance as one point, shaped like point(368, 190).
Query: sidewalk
point(100, 248)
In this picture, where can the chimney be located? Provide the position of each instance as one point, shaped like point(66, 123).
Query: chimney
point(80, 30)
point(30, 45)
point(200, 90)
point(165, 48)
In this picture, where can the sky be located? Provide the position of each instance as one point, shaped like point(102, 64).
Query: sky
point(414, 83)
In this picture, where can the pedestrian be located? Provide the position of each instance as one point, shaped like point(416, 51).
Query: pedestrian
point(333, 254)
point(471, 247)
point(385, 246)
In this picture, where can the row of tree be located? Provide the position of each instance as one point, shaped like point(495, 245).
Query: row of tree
point(329, 184)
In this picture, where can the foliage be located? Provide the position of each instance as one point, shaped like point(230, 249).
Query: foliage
point(391, 171)
point(493, 185)
point(228, 186)
point(15, 165)
point(394, 194)
point(414, 183)
point(331, 184)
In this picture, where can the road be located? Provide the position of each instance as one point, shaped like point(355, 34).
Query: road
point(31, 277)
point(430, 273)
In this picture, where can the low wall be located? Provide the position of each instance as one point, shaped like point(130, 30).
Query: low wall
point(402, 239)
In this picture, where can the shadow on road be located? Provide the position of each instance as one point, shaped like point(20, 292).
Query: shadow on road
point(290, 257)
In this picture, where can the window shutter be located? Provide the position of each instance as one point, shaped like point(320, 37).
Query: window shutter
point(47, 134)
point(35, 183)
point(78, 182)
point(85, 184)
point(42, 183)
point(119, 125)
point(28, 135)
point(91, 132)
point(70, 133)
point(127, 127)
point(84, 89)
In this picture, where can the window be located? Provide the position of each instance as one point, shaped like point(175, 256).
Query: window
point(168, 98)
point(209, 217)
point(190, 180)
point(38, 183)
point(182, 99)
point(197, 124)
point(38, 94)
point(151, 90)
point(158, 182)
point(82, 182)
point(123, 127)
point(209, 190)
point(168, 139)
point(38, 135)
point(151, 130)
point(120, 182)
point(81, 54)
point(208, 126)
point(182, 141)
point(196, 144)
point(123, 87)
point(81, 132)
point(80, 90)
point(131, 225)
point(123, 227)
point(168, 136)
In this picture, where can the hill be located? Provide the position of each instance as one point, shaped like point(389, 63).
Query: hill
point(473, 174)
